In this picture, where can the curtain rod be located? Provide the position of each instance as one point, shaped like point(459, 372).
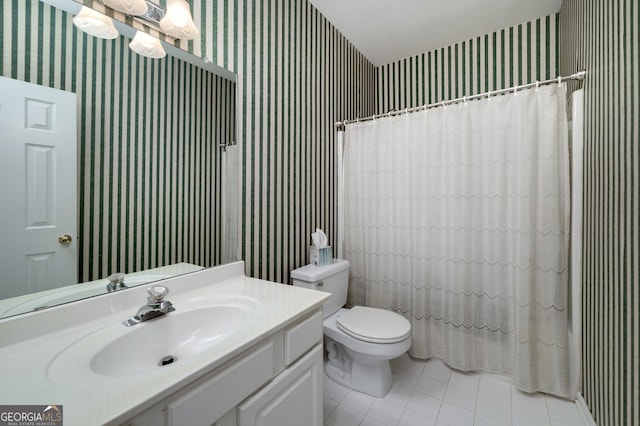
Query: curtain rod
point(580, 75)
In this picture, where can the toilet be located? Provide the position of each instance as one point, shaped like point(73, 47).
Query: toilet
point(361, 340)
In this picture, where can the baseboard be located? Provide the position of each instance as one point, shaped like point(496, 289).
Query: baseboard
point(587, 419)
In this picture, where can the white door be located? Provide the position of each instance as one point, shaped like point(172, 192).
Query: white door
point(38, 214)
point(292, 398)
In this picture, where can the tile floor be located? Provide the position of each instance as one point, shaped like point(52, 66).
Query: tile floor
point(428, 393)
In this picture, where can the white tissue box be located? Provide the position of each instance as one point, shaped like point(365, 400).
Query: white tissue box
point(320, 256)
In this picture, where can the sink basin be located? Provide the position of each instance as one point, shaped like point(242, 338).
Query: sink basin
point(160, 343)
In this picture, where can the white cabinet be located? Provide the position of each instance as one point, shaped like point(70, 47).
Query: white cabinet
point(292, 398)
point(277, 382)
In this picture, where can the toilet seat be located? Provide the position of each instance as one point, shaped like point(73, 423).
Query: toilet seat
point(374, 325)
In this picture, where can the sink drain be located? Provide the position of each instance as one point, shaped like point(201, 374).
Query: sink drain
point(169, 359)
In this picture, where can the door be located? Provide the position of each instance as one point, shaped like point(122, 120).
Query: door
point(292, 398)
point(38, 213)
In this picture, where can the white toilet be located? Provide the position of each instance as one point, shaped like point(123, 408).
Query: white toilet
point(361, 340)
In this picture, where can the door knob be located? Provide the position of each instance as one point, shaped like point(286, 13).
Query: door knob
point(65, 239)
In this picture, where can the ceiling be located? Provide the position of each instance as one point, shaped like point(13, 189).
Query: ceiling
point(388, 30)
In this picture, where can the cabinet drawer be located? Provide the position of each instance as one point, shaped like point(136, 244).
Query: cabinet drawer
point(210, 400)
point(300, 337)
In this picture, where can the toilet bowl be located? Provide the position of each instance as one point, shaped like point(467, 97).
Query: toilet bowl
point(360, 341)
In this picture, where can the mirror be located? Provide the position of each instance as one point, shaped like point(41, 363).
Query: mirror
point(156, 194)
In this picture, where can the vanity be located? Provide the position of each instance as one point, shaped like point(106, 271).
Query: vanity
point(236, 351)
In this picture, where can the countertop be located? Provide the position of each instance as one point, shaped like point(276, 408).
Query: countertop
point(32, 341)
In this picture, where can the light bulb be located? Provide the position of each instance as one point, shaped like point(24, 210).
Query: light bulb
point(146, 45)
point(177, 21)
point(95, 23)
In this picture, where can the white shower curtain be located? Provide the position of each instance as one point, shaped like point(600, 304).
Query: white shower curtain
point(230, 222)
point(457, 217)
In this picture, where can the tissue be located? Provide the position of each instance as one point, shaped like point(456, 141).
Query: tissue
point(319, 238)
point(319, 253)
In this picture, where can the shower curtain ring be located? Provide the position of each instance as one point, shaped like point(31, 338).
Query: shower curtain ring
point(559, 80)
point(537, 84)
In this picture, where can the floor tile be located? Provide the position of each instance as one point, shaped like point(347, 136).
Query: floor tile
point(424, 404)
point(524, 417)
point(431, 387)
point(328, 405)
point(358, 401)
point(439, 396)
point(530, 402)
point(344, 416)
point(334, 391)
point(494, 405)
point(412, 418)
point(486, 421)
point(438, 370)
point(464, 379)
point(398, 395)
point(455, 416)
point(405, 378)
point(385, 412)
point(369, 421)
point(563, 411)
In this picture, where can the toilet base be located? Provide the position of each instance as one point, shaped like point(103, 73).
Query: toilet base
point(367, 374)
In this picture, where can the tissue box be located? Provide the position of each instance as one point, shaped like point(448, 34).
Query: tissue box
point(320, 256)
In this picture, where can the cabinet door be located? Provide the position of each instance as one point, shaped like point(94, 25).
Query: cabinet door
point(292, 398)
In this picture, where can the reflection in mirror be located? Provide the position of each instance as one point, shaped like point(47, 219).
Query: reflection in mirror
point(155, 191)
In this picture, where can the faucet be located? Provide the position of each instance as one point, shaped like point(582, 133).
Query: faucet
point(116, 282)
point(155, 307)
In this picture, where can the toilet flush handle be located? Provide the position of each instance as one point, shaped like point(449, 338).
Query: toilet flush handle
point(319, 283)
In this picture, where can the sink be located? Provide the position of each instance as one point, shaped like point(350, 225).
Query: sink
point(157, 344)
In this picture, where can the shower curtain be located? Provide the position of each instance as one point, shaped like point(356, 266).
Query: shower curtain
point(457, 217)
point(230, 222)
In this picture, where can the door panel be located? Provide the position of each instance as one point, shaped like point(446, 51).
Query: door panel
point(38, 188)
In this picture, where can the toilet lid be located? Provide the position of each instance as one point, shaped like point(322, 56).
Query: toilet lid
point(374, 325)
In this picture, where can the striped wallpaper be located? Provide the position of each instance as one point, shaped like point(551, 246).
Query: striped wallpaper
point(512, 56)
point(149, 164)
point(603, 37)
point(297, 75)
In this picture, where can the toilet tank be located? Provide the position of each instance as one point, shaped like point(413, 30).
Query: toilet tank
point(332, 278)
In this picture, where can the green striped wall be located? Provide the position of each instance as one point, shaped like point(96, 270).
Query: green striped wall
point(296, 76)
point(506, 58)
point(149, 167)
point(602, 37)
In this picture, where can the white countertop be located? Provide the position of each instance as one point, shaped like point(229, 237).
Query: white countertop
point(30, 342)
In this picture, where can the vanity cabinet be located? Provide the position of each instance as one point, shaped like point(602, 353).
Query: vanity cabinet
point(278, 381)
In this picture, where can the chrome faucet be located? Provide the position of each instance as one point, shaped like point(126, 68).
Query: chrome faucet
point(116, 282)
point(155, 307)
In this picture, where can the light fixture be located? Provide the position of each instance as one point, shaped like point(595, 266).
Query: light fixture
point(146, 45)
point(177, 21)
point(95, 23)
point(130, 7)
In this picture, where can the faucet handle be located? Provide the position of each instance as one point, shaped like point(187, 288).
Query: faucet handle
point(157, 293)
point(116, 278)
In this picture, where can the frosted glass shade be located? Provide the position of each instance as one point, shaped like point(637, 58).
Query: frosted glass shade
point(177, 21)
point(146, 45)
point(95, 23)
point(130, 7)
